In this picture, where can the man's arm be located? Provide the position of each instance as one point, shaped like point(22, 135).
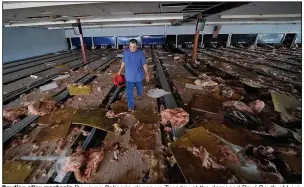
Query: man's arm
point(122, 63)
point(121, 67)
point(144, 63)
point(146, 72)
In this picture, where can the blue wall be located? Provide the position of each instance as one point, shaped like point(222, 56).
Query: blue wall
point(20, 43)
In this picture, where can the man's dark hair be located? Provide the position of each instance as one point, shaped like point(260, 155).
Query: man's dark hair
point(133, 41)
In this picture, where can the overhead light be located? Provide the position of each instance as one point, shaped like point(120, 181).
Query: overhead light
point(47, 13)
point(122, 13)
point(262, 16)
point(156, 14)
point(85, 26)
point(121, 19)
point(248, 22)
point(135, 25)
point(17, 5)
point(175, 5)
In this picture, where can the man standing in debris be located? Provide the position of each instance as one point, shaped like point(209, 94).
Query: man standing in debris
point(136, 67)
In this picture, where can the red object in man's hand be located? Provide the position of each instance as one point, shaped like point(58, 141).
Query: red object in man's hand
point(119, 80)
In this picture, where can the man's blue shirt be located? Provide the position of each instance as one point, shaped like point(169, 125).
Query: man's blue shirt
point(134, 61)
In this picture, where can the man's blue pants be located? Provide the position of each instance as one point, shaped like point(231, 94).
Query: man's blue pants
point(130, 89)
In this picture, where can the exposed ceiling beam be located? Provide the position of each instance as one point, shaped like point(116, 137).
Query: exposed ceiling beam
point(249, 22)
point(11, 5)
point(262, 16)
point(114, 19)
point(212, 10)
point(115, 25)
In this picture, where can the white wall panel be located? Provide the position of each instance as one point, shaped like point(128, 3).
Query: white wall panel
point(20, 43)
point(190, 29)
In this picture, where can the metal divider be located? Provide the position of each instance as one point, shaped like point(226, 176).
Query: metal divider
point(26, 75)
point(21, 62)
point(63, 94)
point(13, 95)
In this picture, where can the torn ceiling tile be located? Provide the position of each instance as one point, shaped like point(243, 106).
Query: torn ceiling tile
point(53, 132)
point(147, 115)
point(283, 102)
point(206, 104)
point(188, 151)
point(119, 107)
point(252, 84)
point(143, 136)
point(15, 172)
point(79, 90)
point(94, 118)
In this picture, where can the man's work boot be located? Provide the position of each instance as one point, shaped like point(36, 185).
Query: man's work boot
point(130, 110)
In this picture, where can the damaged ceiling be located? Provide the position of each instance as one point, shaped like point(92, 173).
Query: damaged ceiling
point(103, 14)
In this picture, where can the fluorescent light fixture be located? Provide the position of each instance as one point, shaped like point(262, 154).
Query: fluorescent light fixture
point(47, 13)
point(262, 16)
point(85, 26)
point(175, 5)
point(122, 13)
point(248, 22)
point(121, 19)
point(135, 25)
point(11, 5)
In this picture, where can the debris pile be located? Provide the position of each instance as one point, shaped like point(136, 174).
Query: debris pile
point(176, 117)
point(42, 107)
point(254, 107)
point(84, 163)
point(208, 161)
point(13, 115)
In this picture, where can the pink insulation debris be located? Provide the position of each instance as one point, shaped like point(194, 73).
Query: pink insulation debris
point(168, 129)
point(227, 155)
point(257, 106)
point(288, 118)
point(254, 107)
point(226, 91)
point(87, 160)
point(110, 114)
point(218, 80)
point(13, 115)
point(239, 90)
point(177, 117)
point(42, 107)
point(85, 133)
point(237, 105)
point(207, 160)
point(61, 144)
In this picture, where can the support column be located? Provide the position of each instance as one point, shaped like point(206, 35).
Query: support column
point(93, 45)
point(216, 31)
point(256, 41)
point(71, 44)
point(196, 38)
point(82, 42)
point(202, 42)
point(228, 40)
point(293, 43)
